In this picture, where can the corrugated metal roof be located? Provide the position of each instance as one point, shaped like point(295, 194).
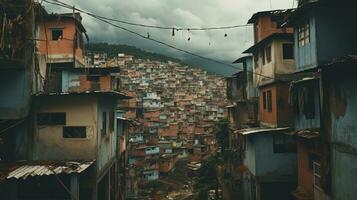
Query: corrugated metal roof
point(24, 171)
point(307, 133)
point(260, 130)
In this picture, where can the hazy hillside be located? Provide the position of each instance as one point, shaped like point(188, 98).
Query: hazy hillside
point(113, 49)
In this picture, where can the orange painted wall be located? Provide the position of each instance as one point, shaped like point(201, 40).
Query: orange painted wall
point(305, 175)
point(59, 47)
point(265, 116)
point(265, 27)
point(282, 112)
point(85, 85)
point(170, 131)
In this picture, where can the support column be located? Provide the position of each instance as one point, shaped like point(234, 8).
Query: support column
point(74, 186)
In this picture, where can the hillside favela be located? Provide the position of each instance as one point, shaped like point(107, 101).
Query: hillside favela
point(178, 100)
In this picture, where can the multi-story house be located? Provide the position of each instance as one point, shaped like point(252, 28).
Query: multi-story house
point(71, 134)
point(264, 79)
point(326, 56)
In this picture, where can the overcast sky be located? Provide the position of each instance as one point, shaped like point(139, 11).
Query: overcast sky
point(178, 13)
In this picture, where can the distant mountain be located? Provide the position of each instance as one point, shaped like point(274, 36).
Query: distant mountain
point(113, 49)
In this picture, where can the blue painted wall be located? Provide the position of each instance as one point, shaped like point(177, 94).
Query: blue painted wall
point(70, 79)
point(336, 32)
point(262, 161)
point(249, 156)
point(269, 163)
point(15, 90)
point(332, 35)
point(306, 56)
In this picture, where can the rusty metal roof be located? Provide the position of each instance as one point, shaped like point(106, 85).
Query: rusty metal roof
point(40, 168)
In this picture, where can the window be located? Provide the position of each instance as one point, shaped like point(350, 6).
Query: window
point(74, 132)
point(269, 101)
point(317, 175)
point(264, 100)
point(57, 34)
point(283, 144)
point(288, 51)
point(93, 78)
point(268, 54)
point(263, 57)
point(111, 121)
point(104, 123)
point(304, 34)
point(51, 118)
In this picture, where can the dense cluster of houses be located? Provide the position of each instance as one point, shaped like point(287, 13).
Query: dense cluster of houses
point(293, 105)
point(176, 108)
point(61, 134)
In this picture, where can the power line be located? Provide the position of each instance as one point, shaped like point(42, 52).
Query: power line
point(56, 2)
point(154, 40)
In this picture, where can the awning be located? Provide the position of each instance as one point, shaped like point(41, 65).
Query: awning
point(260, 130)
point(40, 168)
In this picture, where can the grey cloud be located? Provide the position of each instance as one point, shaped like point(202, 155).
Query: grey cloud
point(181, 13)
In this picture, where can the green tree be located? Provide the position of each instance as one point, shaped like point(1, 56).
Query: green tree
point(207, 177)
point(222, 134)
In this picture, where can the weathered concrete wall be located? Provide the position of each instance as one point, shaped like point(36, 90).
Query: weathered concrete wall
point(49, 141)
point(277, 65)
point(107, 143)
point(343, 106)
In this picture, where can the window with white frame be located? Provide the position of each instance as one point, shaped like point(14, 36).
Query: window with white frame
point(304, 34)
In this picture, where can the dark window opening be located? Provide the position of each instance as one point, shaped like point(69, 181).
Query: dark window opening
point(104, 123)
point(283, 144)
point(93, 78)
point(51, 119)
point(57, 34)
point(269, 101)
point(74, 132)
point(309, 103)
point(263, 57)
point(268, 54)
point(264, 100)
point(288, 51)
